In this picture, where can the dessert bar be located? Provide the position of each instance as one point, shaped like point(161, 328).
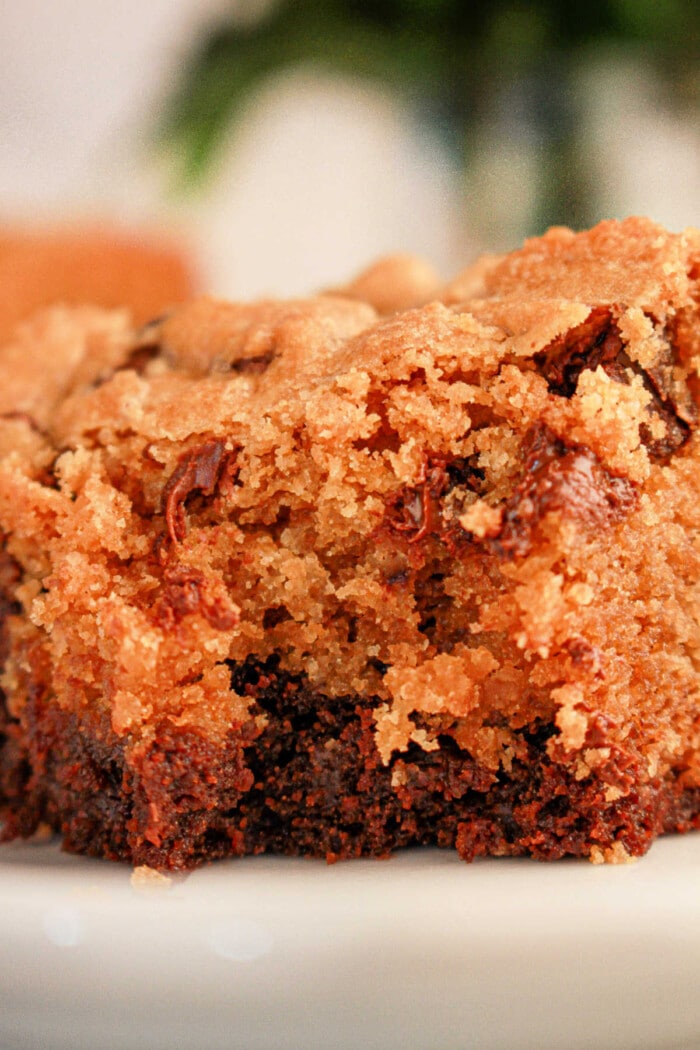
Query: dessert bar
point(332, 577)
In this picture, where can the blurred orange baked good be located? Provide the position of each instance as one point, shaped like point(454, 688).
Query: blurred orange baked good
point(104, 267)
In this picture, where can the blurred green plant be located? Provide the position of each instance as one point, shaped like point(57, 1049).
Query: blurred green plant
point(448, 58)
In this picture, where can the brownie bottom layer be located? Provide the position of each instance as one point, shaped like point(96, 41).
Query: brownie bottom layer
point(311, 782)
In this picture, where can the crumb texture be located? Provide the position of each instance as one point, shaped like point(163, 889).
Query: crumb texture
point(343, 574)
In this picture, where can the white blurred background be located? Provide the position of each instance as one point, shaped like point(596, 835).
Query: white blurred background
point(324, 172)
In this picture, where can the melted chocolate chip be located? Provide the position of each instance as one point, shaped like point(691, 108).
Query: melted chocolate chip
point(593, 343)
point(198, 470)
point(255, 365)
point(137, 360)
point(597, 343)
point(140, 357)
point(418, 509)
point(569, 479)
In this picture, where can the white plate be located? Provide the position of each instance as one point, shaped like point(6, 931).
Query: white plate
point(421, 951)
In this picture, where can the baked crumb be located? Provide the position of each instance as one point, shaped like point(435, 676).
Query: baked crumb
point(615, 854)
point(146, 879)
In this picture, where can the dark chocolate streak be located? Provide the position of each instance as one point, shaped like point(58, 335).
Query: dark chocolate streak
point(254, 365)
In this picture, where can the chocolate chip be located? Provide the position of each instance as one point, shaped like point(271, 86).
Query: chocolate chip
point(597, 343)
point(569, 479)
point(588, 345)
point(255, 365)
point(275, 615)
point(418, 509)
point(198, 470)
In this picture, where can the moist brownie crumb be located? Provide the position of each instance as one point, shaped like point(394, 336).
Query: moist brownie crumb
point(399, 564)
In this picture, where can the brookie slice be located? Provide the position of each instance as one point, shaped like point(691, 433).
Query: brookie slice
point(296, 577)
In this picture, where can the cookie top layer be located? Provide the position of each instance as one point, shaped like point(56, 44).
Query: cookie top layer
point(482, 511)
